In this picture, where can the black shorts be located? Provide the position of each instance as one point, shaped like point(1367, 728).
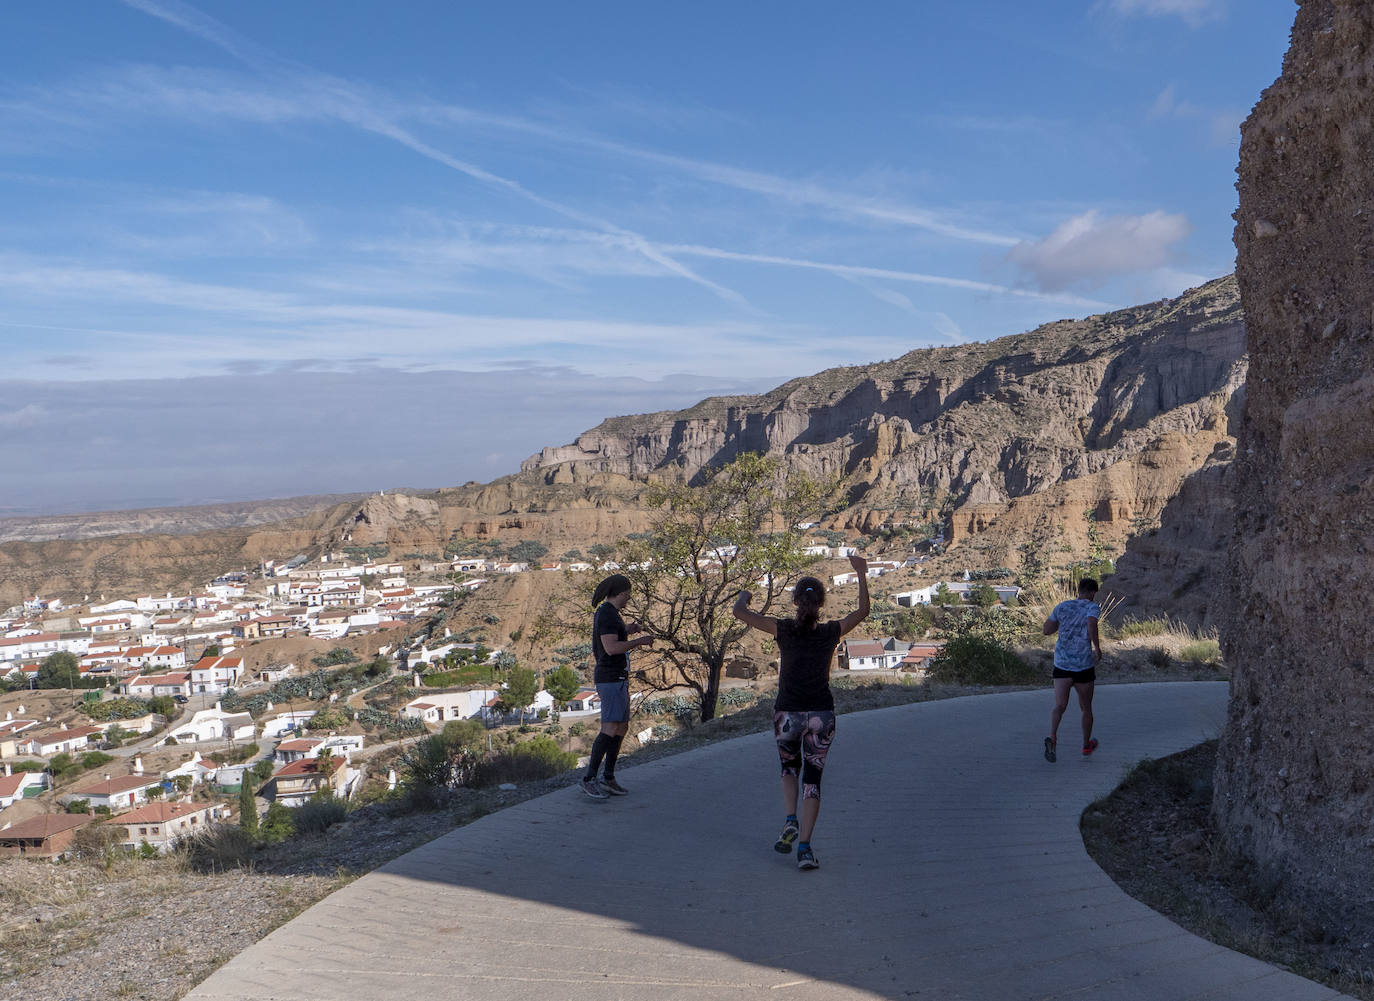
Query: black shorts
point(1079, 677)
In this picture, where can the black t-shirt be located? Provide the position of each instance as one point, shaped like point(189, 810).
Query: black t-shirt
point(804, 671)
point(609, 666)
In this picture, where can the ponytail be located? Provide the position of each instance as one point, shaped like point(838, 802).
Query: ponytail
point(808, 595)
point(614, 584)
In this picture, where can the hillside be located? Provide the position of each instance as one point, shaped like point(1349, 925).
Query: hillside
point(165, 520)
point(1078, 429)
point(1076, 424)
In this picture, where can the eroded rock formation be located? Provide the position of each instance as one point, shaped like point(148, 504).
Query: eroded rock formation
point(1123, 405)
point(1295, 789)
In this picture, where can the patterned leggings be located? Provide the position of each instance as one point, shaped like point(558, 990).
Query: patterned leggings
point(803, 742)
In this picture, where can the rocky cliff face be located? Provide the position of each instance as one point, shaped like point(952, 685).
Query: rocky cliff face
point(1294, 789)
point(1179, 568)
point(976, 429)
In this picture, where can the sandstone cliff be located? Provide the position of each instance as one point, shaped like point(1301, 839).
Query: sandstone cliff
point(1106, 414)
point(1294, 789)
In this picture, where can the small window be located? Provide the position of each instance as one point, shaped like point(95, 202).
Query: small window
point(143, 830)
point(155, 830)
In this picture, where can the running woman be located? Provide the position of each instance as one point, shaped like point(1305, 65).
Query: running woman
point(611, 645)
point(804, 713)
point(1077, 651)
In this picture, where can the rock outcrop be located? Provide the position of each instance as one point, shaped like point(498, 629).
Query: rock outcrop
point(1179, 568)
point(976, 430)
point(1294, 789)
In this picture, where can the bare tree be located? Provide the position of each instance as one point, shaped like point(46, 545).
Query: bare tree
point(739, 530)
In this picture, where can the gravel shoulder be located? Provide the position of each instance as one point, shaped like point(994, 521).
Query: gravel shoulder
point(1156, 838)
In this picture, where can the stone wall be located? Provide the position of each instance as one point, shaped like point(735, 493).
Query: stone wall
point(1295, 776)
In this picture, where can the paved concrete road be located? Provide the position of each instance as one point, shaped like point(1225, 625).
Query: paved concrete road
point(952, 868)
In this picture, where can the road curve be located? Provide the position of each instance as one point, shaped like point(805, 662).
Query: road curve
point(952, 869)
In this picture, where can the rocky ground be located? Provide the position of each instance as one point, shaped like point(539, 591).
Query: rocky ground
point(1156, 837)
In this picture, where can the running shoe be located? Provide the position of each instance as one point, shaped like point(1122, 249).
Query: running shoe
point(1089, 747)
point(788, 838)
point(613, 787)
point(593, 789)
point(806, 859)
point(1050, 755)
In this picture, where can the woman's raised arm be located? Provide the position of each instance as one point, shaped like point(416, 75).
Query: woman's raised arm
point(851, 620)
point(741, 611)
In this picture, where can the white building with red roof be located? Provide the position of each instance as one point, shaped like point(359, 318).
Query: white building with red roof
point(45, 745)
point(15, 785)
point(146, 686)
point(295, 783)
point(215, 724)
point(439, 707)
point(162, 825)
point(215, 675)
point(156, 658)
point(117, 793)
point(297, 748)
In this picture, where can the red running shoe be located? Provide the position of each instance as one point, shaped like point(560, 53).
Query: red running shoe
point(1089, 747)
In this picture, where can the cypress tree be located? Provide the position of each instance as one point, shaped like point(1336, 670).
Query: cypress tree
point(248, 810)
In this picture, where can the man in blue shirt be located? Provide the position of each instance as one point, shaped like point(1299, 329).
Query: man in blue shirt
point(1076, 653)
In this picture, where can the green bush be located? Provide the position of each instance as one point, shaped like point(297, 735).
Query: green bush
point(331, 718)
point(220, 847)
point(277, 824)
point(336, 656)
point(1201, 652)
point(1159, 659)
point(433, 767)
point(531, 761)
point(320, 812)
point(94, 759)
point(78, 806)
point(971, 659)
point(121, 708)
point(1140, 627)
point(469, 674)
point(736, 697)
point(236, 755)
point(27, 766)
point(62, 765)
point(262, 770)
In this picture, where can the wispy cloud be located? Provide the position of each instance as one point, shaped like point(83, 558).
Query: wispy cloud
point(26, 416)
point(1193, 12)
point(236, 322)
point(346, 103)
point(1090, 248)
point(849, 270)
point(282, 97)
point(1222, 127)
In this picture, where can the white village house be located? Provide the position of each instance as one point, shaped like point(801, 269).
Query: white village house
point(214, 724)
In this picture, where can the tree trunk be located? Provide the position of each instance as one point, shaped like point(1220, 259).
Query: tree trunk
point(711, 694)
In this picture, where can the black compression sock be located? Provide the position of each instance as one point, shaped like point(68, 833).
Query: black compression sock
point(612, 753)
point(600, 746)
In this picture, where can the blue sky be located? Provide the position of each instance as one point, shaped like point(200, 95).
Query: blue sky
point(254, 249)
